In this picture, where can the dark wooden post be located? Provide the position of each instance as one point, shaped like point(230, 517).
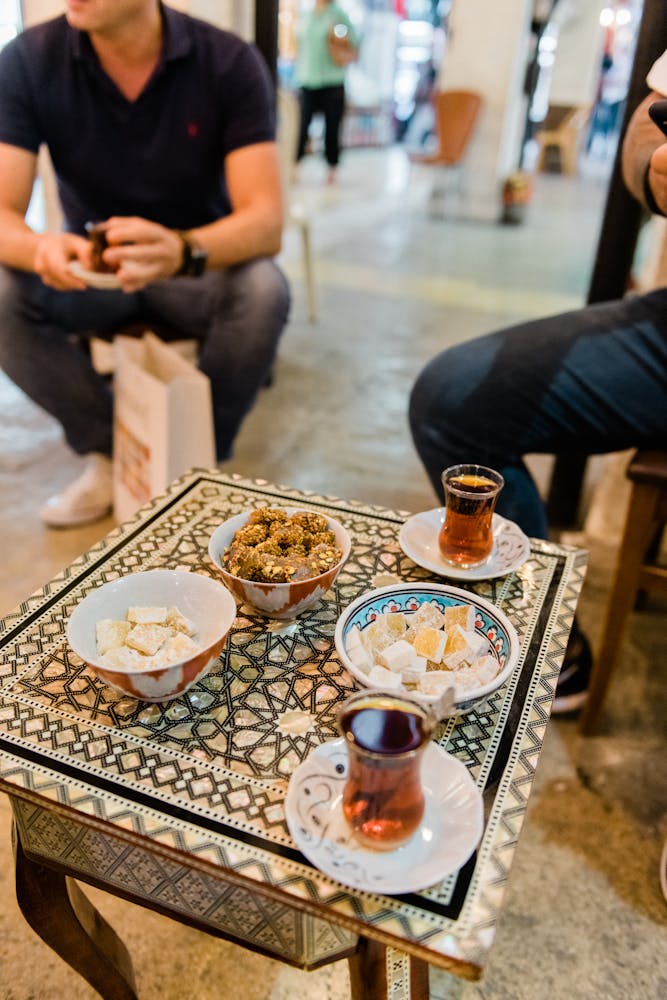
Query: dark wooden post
point(266, 33)
point(615, 250)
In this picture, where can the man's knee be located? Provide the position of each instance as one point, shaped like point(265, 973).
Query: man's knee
point(9, 307)
point(434, 395)
point(8, 289)
point(263, 289)
point(457, 384)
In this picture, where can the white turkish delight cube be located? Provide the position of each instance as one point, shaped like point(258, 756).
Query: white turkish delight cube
point(381, 677)
point(398, 656)
point(356, 650)
point(428, 613)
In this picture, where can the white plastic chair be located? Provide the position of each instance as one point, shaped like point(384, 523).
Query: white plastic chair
point(288, 131)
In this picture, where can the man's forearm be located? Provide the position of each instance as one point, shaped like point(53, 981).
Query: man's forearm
point(18, 242)
point(241, 236)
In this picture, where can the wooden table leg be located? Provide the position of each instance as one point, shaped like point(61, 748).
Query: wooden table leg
point(66, 920)
point(374, 967)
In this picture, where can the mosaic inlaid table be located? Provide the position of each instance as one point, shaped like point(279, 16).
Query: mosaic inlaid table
point(180, 806)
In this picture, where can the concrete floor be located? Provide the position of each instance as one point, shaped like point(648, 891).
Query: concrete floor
point(585, 917)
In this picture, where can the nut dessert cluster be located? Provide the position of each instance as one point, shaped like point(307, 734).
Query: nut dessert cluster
point(276, 547)
point(149, 637)
point(425, 650)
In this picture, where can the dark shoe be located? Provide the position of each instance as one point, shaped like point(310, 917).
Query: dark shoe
point(572, 686)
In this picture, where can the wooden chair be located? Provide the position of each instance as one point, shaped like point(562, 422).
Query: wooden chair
point(456, 115)
point(564, 136)
point(636, 570)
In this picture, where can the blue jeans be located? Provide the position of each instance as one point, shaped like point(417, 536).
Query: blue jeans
point(237, 314)
point(586, 382)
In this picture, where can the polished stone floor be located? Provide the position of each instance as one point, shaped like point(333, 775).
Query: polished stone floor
point(585, 918)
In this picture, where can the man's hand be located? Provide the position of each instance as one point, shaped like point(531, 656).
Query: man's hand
point(54, 254)
point(657, 177)
point(142, 251)
point(644, 143)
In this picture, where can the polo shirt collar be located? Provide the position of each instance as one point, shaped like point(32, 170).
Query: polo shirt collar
point(177, 36)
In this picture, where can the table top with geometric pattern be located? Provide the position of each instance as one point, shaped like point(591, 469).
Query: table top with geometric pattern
point(206, 774)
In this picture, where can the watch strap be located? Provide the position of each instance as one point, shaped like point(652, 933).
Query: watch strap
point(648, 194)
point(193, 262)
point(186, 249)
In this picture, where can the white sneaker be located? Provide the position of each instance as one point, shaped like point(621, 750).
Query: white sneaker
point(87, 499)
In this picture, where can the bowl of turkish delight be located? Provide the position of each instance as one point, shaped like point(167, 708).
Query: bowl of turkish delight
point(152, 635)
point(279, 560)
point(428, 639)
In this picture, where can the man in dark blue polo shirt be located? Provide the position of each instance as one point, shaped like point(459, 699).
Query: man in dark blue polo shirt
point(162, 127)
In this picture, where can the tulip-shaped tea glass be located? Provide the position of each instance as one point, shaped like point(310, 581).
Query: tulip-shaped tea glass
point(98, 239)
point(471, 491)
point(386, 735)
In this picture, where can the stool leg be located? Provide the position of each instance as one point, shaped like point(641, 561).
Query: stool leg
point(639, 526)
point(66, 920)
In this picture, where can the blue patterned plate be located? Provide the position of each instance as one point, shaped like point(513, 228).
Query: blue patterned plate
point(501, 637)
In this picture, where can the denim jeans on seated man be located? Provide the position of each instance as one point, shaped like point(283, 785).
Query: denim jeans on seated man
point(237, 314)
point(586, 382)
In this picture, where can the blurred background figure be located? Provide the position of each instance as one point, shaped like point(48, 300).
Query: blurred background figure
point(326, 43)
point(610, 101)
point(417, 128)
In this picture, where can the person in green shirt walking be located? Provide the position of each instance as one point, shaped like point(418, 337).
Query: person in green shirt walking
point(321, 78)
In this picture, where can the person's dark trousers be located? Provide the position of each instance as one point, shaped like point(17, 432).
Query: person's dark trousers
point(330, 101)
point(586, 382)
point(238, 314)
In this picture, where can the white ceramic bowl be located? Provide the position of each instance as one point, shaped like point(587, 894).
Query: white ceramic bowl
point(501, 636)
point(203, 600)
point(276, 600)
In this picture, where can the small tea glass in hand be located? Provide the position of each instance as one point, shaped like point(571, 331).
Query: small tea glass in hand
point(471, 491)
point(98, 239)
point(383, 798)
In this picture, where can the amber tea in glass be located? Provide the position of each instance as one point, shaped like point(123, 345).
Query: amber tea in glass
point(383, 798)
point(98, 239)
point(466, 536)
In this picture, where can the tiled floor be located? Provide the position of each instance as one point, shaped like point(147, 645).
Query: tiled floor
point(585, 918)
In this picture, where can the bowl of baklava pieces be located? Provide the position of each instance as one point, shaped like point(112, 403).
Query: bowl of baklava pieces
point(279, 560)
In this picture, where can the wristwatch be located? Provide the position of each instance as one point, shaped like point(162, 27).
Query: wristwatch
point(194, 259)
point(649, 197)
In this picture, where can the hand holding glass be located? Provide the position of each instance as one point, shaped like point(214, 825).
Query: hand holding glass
point(98, 238)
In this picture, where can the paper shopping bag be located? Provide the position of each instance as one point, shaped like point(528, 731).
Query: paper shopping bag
point(163, 420)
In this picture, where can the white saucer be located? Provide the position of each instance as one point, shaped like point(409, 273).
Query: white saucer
point(448, 834)
point(418, 538)
point(96, 279)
